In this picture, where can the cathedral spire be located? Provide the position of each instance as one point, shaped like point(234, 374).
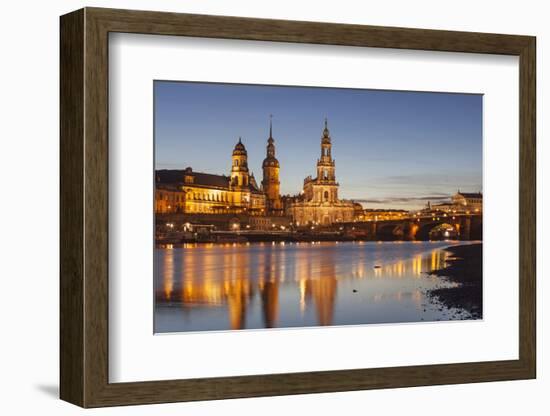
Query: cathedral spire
point(270, 183)
point(326, 134)
point(270, 140)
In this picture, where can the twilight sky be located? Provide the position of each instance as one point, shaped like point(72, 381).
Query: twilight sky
point(392, 149)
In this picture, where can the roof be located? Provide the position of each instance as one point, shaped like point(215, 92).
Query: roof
point(270, 161)
point(254, 188)
point(176, 176)
point(253, 185)
point(171, 178)
point(167, 187)
point(239, 148)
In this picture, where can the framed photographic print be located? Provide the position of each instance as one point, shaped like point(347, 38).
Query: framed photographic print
point(255, 207)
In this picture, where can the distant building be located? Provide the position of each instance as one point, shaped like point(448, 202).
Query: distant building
point(382, 214)
point(469, 201)
point(443, 206)
point(460, 202)
point(319, 203)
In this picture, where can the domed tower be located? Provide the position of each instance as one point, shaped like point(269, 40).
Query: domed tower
point(239, 166)
point(270, 183)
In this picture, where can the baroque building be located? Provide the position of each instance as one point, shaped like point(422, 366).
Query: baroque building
point(468, 200)
point(319, 202)
point(192, 192)
point(461, 202)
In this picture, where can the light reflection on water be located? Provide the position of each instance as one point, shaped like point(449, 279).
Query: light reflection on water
point(266, 285)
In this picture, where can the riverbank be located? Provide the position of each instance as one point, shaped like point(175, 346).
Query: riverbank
point(464, 267)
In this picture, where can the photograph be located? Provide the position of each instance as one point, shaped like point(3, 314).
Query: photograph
point(282, 206)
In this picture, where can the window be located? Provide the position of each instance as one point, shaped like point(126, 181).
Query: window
point(326, 195)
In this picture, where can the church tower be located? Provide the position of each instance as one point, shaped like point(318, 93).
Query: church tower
point(326, 170)
point(270, 183)
point(239, 166)
point(319, 205)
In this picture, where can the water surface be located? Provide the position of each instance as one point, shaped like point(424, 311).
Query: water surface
point(200, 287)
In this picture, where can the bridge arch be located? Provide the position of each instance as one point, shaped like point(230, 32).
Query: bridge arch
point(438, 230)
point(390, 231)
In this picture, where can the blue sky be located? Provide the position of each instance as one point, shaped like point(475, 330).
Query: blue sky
point(392, 148)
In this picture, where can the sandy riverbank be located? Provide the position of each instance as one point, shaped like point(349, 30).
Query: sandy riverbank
point(465, 268)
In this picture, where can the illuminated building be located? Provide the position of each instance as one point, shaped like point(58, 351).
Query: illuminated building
point(271, 184)
point(189, 192)
point(319, 203)
point(169, 199)
point(468, 201)
point(461, 202)
point(382, 214)
point(205, 193)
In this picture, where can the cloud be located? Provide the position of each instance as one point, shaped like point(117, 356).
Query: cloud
point(450, 179)
point(405, 200)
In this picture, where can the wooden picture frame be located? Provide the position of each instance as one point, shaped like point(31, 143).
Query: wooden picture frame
point(84, 207)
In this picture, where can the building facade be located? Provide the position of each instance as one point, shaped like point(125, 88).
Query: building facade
point(319, 202)
point(468, 201)
point(192, 192)
point(461, 202)
point(382, 214)
point(169, 199)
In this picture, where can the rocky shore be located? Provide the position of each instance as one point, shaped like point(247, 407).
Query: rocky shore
point(464, 267)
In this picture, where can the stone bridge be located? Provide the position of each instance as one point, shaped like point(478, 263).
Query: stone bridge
point(458, 226)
